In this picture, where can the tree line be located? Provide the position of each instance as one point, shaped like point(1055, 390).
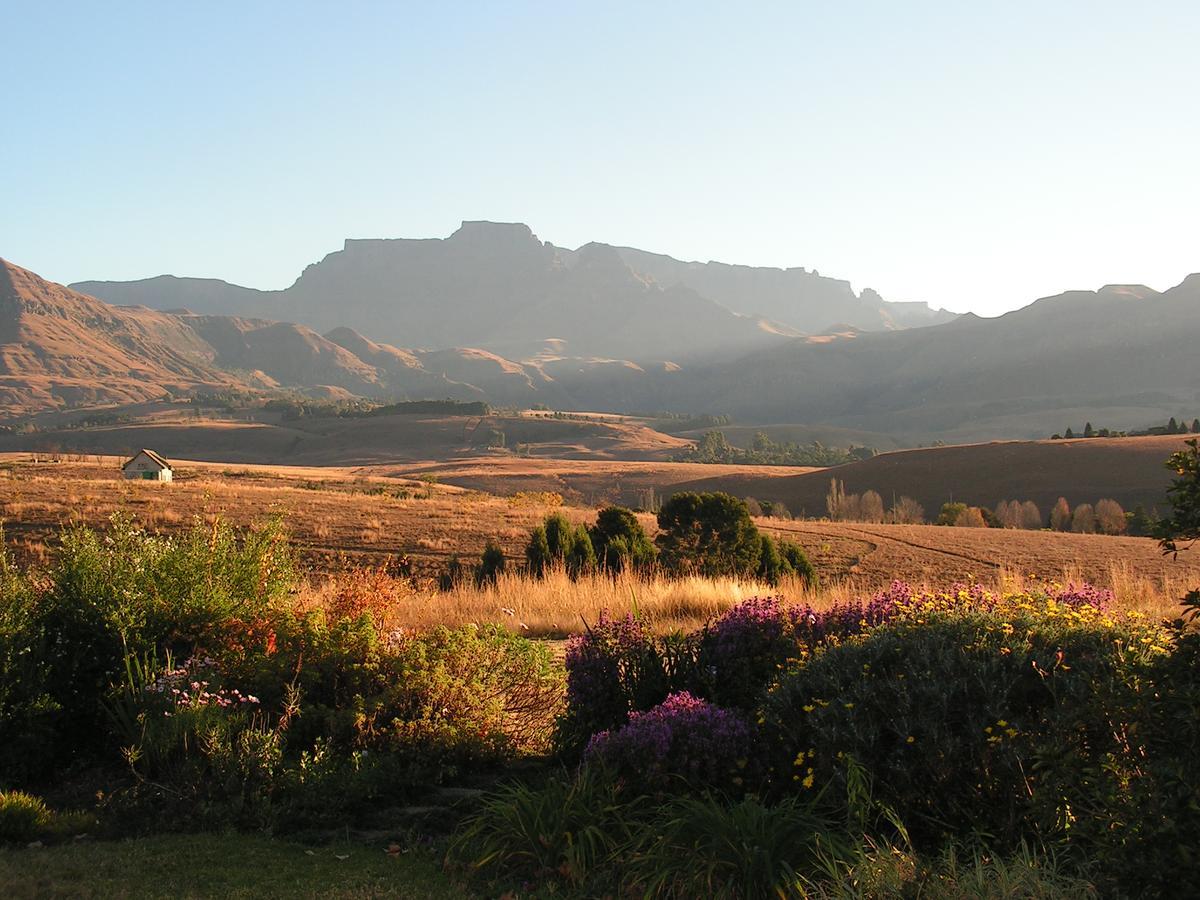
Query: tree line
point(708, 534)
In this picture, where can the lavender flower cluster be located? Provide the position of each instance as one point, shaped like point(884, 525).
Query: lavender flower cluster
point(684, 737)
point(1076, 595)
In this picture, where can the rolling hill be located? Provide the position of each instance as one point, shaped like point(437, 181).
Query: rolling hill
point(1128, 470)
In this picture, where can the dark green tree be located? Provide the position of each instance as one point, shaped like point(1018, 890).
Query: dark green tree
point(709, 533)
point(491, 565)
point(1181, 529)
point(795, 557)
point(1069, 433)
point(453, 575)
point(1088, 430)
point(558, 542)
point(771, 565)
point(537, 552)
point(620, 541)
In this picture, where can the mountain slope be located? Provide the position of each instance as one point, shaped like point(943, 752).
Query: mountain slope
point(59, 347)
point(1119, 348)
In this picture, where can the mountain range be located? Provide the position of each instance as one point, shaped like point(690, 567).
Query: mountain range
point(497, 287)
point(492, 313)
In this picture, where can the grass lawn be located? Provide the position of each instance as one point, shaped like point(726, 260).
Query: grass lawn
point(210, 865)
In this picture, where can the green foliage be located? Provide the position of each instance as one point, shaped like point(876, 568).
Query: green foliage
point(571, 828)
point(779, 559)
point(794, 557)
point(29, 712)
point(950, 513)
point(704, 846)
point(557, 542)
point(491, 564)
point(25, 818)
point(620, 541)
point(126, 591)
point(22, 816)
point(1011, 722)
point(1182, 526)
point(711, 534)
point(714, 447)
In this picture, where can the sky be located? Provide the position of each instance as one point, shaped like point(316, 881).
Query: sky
point(973, 155)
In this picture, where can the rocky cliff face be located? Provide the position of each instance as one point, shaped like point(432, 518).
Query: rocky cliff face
point(496, 286)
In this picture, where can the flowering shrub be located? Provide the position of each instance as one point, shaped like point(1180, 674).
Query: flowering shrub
point(705, 745)
point(616, 667)
point(972, 710)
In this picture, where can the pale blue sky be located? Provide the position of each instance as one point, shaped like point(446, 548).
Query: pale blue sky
point(974, 155)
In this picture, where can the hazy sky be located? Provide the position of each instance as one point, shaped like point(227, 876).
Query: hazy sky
point(975, 155)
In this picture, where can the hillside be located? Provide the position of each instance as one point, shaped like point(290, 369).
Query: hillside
point(59, 347)
point(266, 438)
point(498, 287)
point(1123, 356)
point(1128, 470)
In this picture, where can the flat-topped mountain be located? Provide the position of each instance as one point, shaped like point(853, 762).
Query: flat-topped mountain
point(497, 287)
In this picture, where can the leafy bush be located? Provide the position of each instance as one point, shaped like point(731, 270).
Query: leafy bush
point(29, 712)
point(703, 846)
point(616, 667)
point(557, 542)
point(22, 816)
point(1000, 714)
point(682, 738)
point(127, 591)
point(571, 828)
point(491, 565)
point(711, 534)
point(621, 542)
point(25, 818)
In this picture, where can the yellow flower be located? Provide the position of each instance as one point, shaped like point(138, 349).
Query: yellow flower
point(808, 707)
point(909, 739)
point(808, 781)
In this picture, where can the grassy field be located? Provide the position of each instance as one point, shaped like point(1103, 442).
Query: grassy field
point(345, 518)
point(225, 865)
point(1129, 470)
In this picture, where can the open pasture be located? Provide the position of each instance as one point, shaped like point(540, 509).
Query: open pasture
point(342, 518)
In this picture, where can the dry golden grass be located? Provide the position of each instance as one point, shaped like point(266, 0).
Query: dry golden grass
point(556, 606)
point(343, 521)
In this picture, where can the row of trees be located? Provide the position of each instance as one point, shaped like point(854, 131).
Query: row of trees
point(1174, 426)
point(714, 447)
point(868, 507)
point(1105, 517)
point(710, 534)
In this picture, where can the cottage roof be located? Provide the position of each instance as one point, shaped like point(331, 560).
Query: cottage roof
point(158, 460)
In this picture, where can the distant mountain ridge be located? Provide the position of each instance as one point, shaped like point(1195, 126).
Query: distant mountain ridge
point(496, 286)
point(1121, 357)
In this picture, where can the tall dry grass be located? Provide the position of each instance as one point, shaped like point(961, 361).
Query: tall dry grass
point(555, 606)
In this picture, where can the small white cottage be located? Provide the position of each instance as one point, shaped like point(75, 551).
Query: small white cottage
point(148, 466)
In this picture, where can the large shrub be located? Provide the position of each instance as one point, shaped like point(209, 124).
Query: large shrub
point(711, 534)
point(621, 542)
point(975, 713)
point(682, 741)
point(614, 668)
point(558, 543)
point(29, 711)
point(125, 591)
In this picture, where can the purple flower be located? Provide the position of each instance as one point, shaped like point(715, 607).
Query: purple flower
point(683, 736)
